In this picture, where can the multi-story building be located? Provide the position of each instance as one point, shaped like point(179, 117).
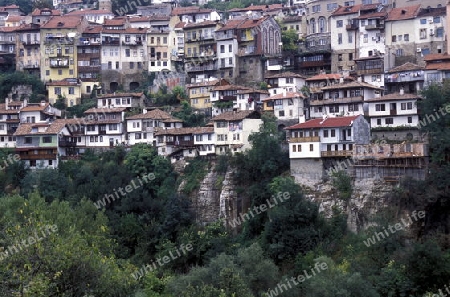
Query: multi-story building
point(39, 145)
point(315, 144)
point(41, 16)
point(68, 89)
point(288, 108)
point(227, 49)
point(223, 97)
point(195, 14)
point(186, 142)
point(58, 47)
point(285, 81)
point(233, 128)
point(371, 54)
point(200, 49)
point(8, 46)
point(89, 59)
point(28, 54)
point(345, 38)
point(258, 40)
point(126, 100)
point(123, 54)
point(255, 11)
point(9, 122)
point(431, 32)
point(42, 112)
point(159, 50)
point(437, 68)
point(105, 127)
point(200, 94)
point(408, 77)
point(343, 99)
point(250, 99)
point(141, 128)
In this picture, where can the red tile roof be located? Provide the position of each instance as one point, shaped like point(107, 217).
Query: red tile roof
point(394, 96)
point(231, 24)
point(236, 115)
point(344, 10)
point(202, 24)
point(438, 66)
point(37, 12)
point(52, 128)
point(432, 57)
point(35, 107)
point(327, 123)
point(257, 8)
point(324, 77)
point(408, 66)
point(156, 114)
point(64, 82)
point(230, 87)
point(403, 13)
point(93, 29)
point(118, 21)
point(189, 10)
point(250, 23)
point(180, 25)
point(90, 11)
point(63, 22)
point(117, 95)
point(285, 74)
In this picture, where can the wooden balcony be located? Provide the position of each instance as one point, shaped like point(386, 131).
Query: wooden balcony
point(305, 139)
point(67, 143)
point(181, 143)
point(38, 157)
point(336, 153)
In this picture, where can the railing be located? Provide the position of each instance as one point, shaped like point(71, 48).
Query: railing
point(134, 43)
point(224, 36)
point(336, 153)
point(88, 55)
point(305, 139)
point(314, 63)
point(203, 55)
point(59, 64)
point(30, 66)
point(181, 143)
point(67, 143)
point(31, 42)
point(111, 42)
point(89, 68)
point(38, 157)
point(393, 112)
point(374, 27)
point(201, 68)
point(352, 26)
point(370, 71)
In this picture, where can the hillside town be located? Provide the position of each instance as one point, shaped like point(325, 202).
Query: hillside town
point(346, 86)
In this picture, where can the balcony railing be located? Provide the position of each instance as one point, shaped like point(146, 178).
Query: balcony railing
point(31, 66)
point(59, 64)
point(202, 55)
point(393, 112)
point(59, 40)
point(352, 26)
point(201, 68)
point(111, 42)
point(31, 42)
point(305, 139)
point(336, 153)
point(320, 63)
point(67, 143)
point(181, 143)
point(88, 55)
point(222, 36)
point(374, 27)
point(132, 43)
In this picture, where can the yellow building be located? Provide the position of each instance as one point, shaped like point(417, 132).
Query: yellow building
point(69, 88)
point(59, 47)
point(199, 93)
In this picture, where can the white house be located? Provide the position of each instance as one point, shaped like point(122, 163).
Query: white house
point(127, 100)
point(288, 81)
point(287, 106)
point(104, 127)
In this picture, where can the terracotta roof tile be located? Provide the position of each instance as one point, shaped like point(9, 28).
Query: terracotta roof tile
point(93, 29)
point(180, 25)
point(118, 21)
point(52, 128)
point(403, 13)
point(189, 10)
point(35, 107)
point(236, 115)
point(90, 11)
point(184, 131)
point(394, 96)
point(344, 10)
point(202, 24)
point(38, 12)
point(327, 123)
point(156, 114)
point(231, 24)
point(408, 66)
point(66, 22)
point(251, 23)
point(104, 110)
point(117, 95)
point(324, 77)
point(432, 57)
point(438, 66)
point(353, 84)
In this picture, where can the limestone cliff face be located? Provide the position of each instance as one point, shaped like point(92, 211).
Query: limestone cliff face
point(369, 197)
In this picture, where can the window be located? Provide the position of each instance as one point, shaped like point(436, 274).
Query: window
point(403, 106)
point(350, 37)
point(59, 72)
point(222, 49)
point(311, 147)
point(281, 113)
point(164, 40)
point(109, 65)
point(334, 108)
point(47, 72)
point(112, 127)
point(230, 61)
point(409, 105)
point(333, 133)
point(350, 56)
point(406, 37)
point(378, 122)
point(236, 136)
point(71, 90)
point(325, 133)
point(222, 137)
point(353, 107)
point(316, 8)
point(131, 65)
point(423, 33)
point(127, 52)
point(137, 135)
point(47, 139)
point(366, 38)
point(423, 21)
point(230, 48)
point(440, 32)
point(339, 23)
point(331, 6)
point(436, 19)
point(399, 52)
point(294, 148)
point(198, 137)
point(380, 107)
point(299, 148)
point(221, 124)
point(399, 38)
point(340, 57)
point(28, 140)
point(340, 38)
point(394, 38)
point(409, 120)
point(389, 121)
point(289, 80)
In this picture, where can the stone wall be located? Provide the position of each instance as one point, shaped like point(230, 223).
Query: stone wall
point(308, 172)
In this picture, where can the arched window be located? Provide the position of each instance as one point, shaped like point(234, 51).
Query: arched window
point(322, 25)
point(312, 26)
point(271, 41)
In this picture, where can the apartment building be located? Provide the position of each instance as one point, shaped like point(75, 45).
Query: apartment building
point(408, 78)
point(285, 81)
point(126, 100)
point(68, 89)
point(200, 94)
point(223, 97)
point(93, 15)
point(28, 54)
point(227, 49)
point(9, 122)
point(105, 127)
point(59, 47)
point(288, 107)
point(195, 14)
point(250, 99)
point(89, 59)
point(8, 47)
point(41, 16)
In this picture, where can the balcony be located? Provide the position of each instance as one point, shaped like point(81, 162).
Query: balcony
point(222, 36)
point(249, 50)
point(31, 42)
point(111, 42)
point(94, 68)
point(206, 40)
point(83, 56)
point(309, 49)
point(59, 63)
point(320, 63)
point(393, 112)
point(86, 42)
point(379, 26)
point(369, 71)
point(59, 40)
point(132, 43)
point(202, 55)
point(352, 26)
point(336, 153)
point(201, 68)
point(31, 66)
point(67, 143)
point(38, 156)
point(305, 139)
point(181, 143)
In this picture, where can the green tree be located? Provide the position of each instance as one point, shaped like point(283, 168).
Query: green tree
point(190, 117)
point(289, 38)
